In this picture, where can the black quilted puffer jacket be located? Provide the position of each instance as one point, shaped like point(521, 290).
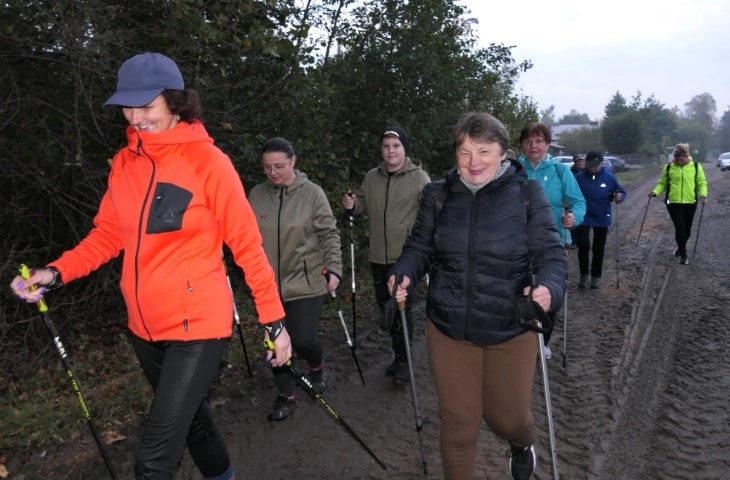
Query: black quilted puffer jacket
point(480, 250)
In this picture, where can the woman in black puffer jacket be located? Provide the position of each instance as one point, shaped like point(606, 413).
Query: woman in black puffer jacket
point(480, 235)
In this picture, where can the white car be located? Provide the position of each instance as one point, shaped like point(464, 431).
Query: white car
point(566, 160)
point(724, 161)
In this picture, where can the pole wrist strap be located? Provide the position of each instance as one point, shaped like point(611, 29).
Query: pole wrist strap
point(274, 329)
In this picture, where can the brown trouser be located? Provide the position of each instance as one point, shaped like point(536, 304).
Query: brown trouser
point(476, 382)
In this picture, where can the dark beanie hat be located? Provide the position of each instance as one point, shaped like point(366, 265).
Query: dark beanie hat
point(594, 158)
point(397, 131)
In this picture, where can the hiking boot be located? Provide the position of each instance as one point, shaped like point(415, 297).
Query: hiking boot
point(522, 462)
point(283, 405)
point(318, 379)
point(583, 282)
point(401, 375)
point(683, 261)
point(595, 282)
point(393, 367)
point(547, 352)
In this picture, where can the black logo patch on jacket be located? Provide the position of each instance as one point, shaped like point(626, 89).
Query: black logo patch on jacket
point(169, 204)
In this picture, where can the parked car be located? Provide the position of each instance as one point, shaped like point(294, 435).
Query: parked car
point(566, 160)
point(724, 161)
point(618, 164)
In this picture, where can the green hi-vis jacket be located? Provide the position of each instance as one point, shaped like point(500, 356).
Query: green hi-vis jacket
point(682, 184)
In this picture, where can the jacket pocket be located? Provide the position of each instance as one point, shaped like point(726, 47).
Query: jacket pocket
point(169, 204)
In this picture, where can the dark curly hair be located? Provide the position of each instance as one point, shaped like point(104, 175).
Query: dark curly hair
point(185, 103)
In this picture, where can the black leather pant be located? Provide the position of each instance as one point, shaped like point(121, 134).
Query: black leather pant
point(181, 374)
point(302, 321)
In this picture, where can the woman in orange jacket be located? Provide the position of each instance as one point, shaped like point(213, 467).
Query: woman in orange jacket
point(173, 199)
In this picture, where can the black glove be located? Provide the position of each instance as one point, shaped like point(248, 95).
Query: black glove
point(530, 313)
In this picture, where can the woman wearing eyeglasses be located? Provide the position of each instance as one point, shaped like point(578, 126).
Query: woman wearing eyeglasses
point(302, 242)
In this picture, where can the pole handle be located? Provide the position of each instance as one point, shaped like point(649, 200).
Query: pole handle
point(25, 275)
point(269, 345)
point(350, 211)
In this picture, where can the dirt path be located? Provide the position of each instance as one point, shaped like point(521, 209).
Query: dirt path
point(643, 393)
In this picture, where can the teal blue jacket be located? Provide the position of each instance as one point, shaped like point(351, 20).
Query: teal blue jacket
point(560, 187)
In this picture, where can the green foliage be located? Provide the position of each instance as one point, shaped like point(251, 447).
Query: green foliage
point(701, 109)
point(583, 139)
point(698, 138)
point(660, 128)
point(723, 132)
point(616, 106)
point(574, 118)
point(623, 133)
point(42, 408)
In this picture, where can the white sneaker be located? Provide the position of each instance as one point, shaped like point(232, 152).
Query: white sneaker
point(547, 352)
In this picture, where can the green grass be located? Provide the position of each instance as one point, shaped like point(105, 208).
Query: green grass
point(43, 409)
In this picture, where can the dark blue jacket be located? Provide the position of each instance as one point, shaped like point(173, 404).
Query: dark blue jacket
point(596, 189)
point(479, 252)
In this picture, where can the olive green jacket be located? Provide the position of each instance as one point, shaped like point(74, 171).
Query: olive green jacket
point(391, 203)
point(300, 235)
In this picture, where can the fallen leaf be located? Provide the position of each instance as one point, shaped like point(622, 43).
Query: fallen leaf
point(110, 436)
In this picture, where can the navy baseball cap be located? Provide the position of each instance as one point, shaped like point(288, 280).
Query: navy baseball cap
point(142, 78)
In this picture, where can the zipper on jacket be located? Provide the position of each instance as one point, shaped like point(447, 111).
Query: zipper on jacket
point(139, 236)
point(306, 273)
point(470, 270)
point(385, 218)
point(681, 184)
point(278, 241)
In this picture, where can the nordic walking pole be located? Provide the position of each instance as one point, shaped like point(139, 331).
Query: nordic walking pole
point(317, 397)
point(699, 225)
point(51, 328)
point(237, 318)
point(531, 320)
point(616, 217)
point(566, 207)
point(352, 270)
point(646, 210)
point(326, 274)
point(414, 394)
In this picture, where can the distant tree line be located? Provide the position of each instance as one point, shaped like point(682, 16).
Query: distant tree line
point(645, 127)
point(326, 74)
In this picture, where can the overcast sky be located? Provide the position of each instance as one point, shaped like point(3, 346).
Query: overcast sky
point(583, 52)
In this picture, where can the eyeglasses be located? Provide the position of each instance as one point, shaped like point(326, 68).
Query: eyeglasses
point(275, 168)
